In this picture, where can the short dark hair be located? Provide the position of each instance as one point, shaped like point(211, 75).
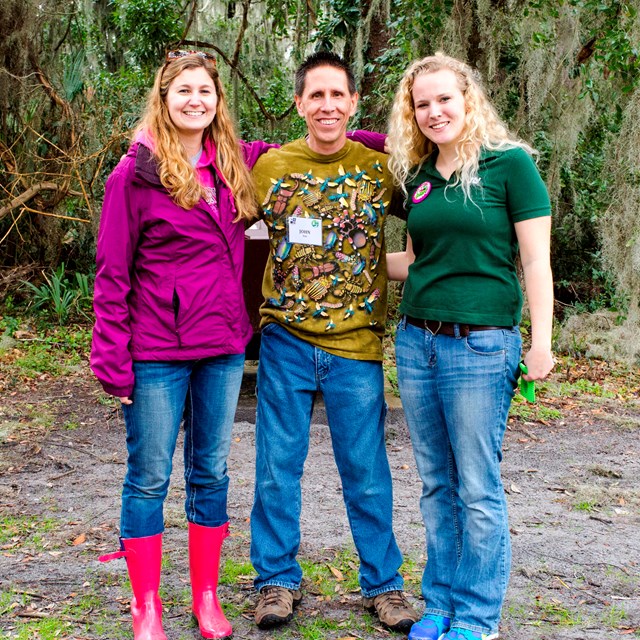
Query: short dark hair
point(323, 59)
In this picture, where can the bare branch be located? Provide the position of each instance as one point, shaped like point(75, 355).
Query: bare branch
point(236, 69)
point(243, 28)
point(54, 96)
point(30, 193)
point(190, 19)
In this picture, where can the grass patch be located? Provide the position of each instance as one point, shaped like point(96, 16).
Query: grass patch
point(18, 532)
point(412, 571)
point(50, 351)
point(50, 628)
point(337, 575)
point(582, 387)
point(234, 571)
point(588, 506)
point(77, 616)
point(613, 616)
point(532, 412)
point(318, 628)
point(555, 612)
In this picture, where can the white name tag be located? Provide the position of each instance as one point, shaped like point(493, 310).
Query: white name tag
point(304, 230)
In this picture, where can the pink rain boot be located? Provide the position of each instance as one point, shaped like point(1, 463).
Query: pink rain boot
point(144, 556)
point(204, 560)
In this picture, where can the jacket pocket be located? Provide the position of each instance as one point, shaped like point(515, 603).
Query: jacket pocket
point(176, 314)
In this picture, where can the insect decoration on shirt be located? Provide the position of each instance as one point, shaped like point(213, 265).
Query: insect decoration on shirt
point(283, 196)
point(369, 301)
point(351, 289)
point(283, 302)
point(296, 279)
point(327, 267)
point(282, 251)
point(320, 311)
point(279, 277)
point(317, 289)
point(306, 253)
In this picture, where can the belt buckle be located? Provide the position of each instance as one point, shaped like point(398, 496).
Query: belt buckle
point(433, 333)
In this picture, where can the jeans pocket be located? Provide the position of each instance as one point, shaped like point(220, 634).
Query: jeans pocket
point(486, 343)
point(268, 328)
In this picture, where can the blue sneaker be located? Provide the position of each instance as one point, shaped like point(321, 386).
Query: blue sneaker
point(431, 627)
point(456, 633)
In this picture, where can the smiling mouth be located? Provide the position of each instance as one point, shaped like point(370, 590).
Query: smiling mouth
point(439, 125)
point(328, 121)
point(193, 113)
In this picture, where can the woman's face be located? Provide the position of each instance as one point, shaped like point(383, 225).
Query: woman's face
point(191, 101)
point(439, 107)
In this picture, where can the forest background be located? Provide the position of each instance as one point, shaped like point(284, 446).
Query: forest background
point(565, 75)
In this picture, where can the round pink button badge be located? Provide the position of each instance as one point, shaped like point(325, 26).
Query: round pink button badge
point(421, 192)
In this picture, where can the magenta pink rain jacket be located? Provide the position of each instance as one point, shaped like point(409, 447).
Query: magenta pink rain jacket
point(168, 281)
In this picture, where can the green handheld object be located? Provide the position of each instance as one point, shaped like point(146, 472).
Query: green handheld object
point(527, 387)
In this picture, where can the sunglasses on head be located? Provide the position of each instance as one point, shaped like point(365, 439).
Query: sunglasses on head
point(176, 54)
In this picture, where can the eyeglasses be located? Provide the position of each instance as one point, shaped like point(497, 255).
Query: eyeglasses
point(176, 54)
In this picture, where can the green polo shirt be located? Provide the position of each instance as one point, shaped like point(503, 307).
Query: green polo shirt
point(465, 266)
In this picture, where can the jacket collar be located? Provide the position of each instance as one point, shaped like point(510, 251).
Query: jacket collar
point(146, 165)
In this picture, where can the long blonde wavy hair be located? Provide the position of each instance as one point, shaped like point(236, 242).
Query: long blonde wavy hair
point(176, 172)
point(409, 147)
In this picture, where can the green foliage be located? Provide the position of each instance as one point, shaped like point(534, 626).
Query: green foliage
point(60, 296)
point(149, 26)
point(73, 81)
point(339, 22)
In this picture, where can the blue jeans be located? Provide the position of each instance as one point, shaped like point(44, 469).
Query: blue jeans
point(290, 374)
point(456, 393)
point(204, 393)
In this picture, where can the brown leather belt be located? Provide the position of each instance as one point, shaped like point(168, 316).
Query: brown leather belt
point(436, 327)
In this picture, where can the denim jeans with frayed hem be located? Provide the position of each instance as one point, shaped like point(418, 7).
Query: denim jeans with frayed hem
point(456, 393)
point(204, 393)
point(291, 373)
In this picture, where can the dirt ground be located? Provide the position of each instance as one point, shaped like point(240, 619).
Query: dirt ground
point(573, 492)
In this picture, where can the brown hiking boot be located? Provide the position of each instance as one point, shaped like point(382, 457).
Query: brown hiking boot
point(275, 606)
point(393, 609)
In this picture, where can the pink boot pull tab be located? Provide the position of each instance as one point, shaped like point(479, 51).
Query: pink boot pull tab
point(108, 557)
point(205, 544)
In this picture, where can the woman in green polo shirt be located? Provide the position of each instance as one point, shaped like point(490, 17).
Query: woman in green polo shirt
point(474, 201)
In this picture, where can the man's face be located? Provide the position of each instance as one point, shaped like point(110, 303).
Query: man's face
point(326, 105)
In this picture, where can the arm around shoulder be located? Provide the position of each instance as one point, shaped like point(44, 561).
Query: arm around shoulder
point(251, 151)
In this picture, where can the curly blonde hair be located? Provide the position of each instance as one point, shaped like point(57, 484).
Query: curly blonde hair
point(176, 172)
point(409, 147)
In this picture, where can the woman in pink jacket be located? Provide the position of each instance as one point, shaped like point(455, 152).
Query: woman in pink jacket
point(171, 325)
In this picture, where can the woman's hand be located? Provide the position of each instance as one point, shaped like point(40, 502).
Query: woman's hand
point(539, 364)
point(126, 400)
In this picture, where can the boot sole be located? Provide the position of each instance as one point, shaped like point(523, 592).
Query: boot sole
point(270, 621)
point(404, 626)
